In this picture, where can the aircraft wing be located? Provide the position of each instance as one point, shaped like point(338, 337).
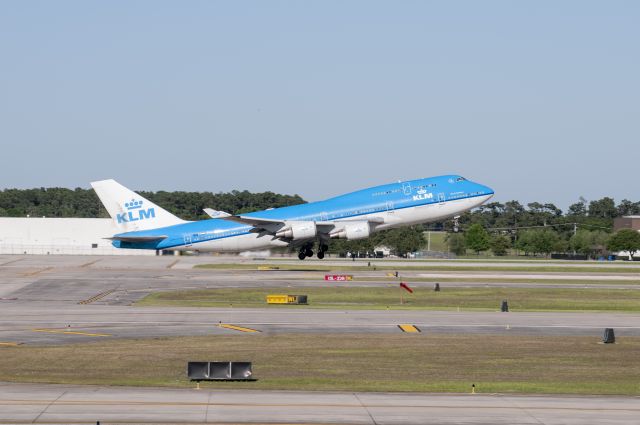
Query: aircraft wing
point(273, 225)
point(215, 213)
point(252, 221)
point(264, 222)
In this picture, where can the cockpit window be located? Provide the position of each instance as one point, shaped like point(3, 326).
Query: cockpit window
point(460, 179)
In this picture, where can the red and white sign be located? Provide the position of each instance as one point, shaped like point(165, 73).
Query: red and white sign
point(406, 287)
point(338, 277)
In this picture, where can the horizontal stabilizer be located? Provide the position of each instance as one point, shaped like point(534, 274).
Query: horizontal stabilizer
point(138, 238)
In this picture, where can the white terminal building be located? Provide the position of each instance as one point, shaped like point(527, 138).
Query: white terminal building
point(70, 236)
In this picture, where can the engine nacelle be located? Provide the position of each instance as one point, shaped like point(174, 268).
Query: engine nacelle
point(352, 231)
point(298, 230)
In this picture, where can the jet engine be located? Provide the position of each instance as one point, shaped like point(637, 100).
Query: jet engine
point(353, 230)
point(298, 230)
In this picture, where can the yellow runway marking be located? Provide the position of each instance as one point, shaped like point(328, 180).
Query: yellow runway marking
point(62, 331)
point(97, 297)
point(10, 262)
point(90, 263)
point(409, 328)
point(169, 266)
point(33, 273)
point(10, 344)
point(237, 328)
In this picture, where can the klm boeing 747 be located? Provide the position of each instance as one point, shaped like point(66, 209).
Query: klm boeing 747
point(355, 215)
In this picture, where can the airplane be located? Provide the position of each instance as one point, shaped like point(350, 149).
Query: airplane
point(356, 215)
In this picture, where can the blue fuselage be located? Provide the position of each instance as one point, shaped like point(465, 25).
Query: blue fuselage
point(380, 200)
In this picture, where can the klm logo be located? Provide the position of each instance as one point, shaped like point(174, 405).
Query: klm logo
point(135, 212)
point(422, 195)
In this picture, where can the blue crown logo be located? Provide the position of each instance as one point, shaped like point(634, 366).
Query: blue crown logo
point(133, 205)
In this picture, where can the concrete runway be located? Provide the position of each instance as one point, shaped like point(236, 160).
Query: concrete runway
point(39, 304)
point(41, 323)
point(61, 404)
point(40, 296)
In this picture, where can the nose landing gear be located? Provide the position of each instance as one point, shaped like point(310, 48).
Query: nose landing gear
point(456, 224)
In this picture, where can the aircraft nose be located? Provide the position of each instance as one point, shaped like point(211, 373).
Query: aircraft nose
point(486, 189)
point(486, 192)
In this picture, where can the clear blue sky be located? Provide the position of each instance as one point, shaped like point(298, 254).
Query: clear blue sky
point(539, 100)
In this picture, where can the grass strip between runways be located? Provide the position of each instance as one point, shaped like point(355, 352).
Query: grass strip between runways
point(347, 362)
point(388, 296)
point(315, 266)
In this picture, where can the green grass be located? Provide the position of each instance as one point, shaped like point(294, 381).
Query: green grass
point(382, 297)
point(438, 241)
point(492, 280)
point(482, 258)
point(553, 280)
point(347, 362)
point(359, 266)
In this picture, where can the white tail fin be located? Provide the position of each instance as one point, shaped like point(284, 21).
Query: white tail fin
point(130, 211)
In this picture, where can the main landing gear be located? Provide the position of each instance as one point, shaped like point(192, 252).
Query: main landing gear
point(322, 248)
point(307, 251)
point(304, 254)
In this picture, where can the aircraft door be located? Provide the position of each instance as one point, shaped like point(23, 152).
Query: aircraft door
point(406, 188)
point(187, 240)
point(390, 207)
point(441, 198)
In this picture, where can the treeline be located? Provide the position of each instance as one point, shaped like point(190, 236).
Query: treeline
point(541, 229)
point(545, 241)
point(190, 205)
point(511, 215)
point(61, 202)
point(52, 202)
